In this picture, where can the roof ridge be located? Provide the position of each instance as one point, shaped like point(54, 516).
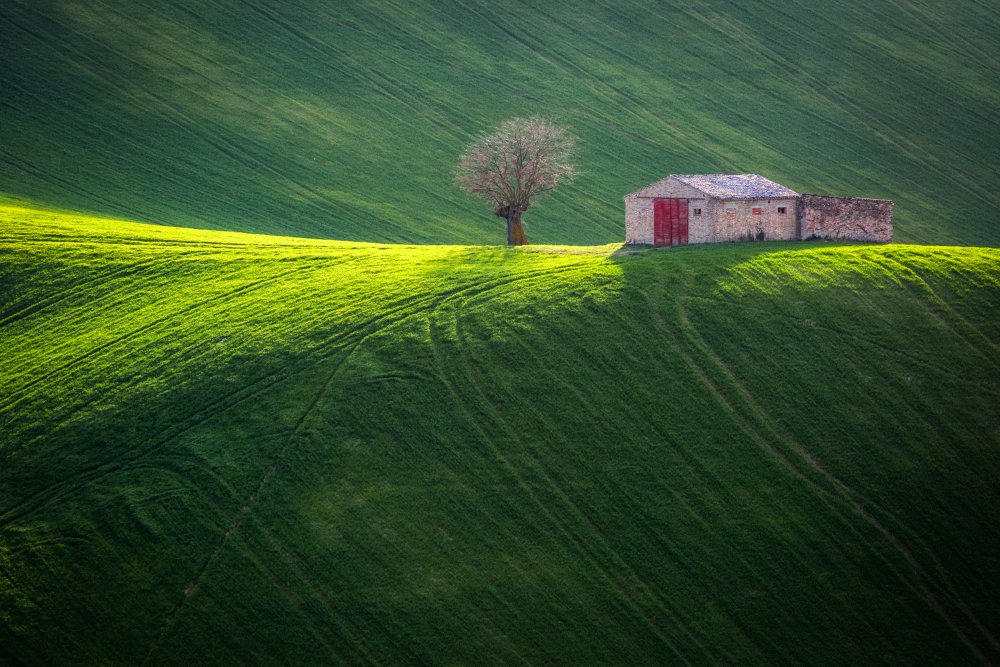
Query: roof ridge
point(730, 186)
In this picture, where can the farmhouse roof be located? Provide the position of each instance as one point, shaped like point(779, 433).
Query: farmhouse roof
point(734, 186)
point(737, 186)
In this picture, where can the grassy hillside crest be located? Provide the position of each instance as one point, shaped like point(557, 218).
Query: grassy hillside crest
point(302, 451)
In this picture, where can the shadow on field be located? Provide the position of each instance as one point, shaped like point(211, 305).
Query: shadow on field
point(459, 452)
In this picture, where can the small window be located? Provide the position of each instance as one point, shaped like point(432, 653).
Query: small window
point(757, 211)
point(730, 210)
point(697, 211)
point(782, 209)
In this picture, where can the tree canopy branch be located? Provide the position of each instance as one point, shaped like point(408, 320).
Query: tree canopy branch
point(523, 158)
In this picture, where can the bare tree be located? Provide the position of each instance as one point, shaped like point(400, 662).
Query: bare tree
point(524, 158)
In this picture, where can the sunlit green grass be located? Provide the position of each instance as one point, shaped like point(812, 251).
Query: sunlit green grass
point(345, 120)
point(225, 448)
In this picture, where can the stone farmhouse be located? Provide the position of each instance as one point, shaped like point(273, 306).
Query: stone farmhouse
point(714, 208)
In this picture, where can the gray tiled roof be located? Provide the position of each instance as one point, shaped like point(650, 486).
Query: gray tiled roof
point(736, 186)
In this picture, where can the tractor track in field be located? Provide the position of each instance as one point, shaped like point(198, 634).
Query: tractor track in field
point(653, 531)
point(488, 411)
point(483, 411)
point(918, 285)
point(180, 479)
point(203, 415)
point(175, 115)
point(763, 439)
point(67, 186)
point(840, 101)
point(838, 489)
point(118, 340)
point(362, 72)
point(322, 633)
point(150, 166)
point(62, 295)
point(427, 305)
point(117, 295)
point(297, 569)
point(862, 340)
point(396, 311)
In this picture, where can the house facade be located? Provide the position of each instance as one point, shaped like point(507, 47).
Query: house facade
point(714, 208)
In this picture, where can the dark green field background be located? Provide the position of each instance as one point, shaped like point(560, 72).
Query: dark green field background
point(345, 119)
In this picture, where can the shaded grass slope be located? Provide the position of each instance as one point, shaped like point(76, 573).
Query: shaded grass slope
point(344, 120)
point(225, 448)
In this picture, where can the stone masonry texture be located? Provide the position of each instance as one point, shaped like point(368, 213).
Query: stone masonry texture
point(845, 218)
point(735, 220)
point(639, 210)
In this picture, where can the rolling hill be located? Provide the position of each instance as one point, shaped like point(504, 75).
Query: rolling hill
point(344, 120)
point(227, 448)
point(228, 439)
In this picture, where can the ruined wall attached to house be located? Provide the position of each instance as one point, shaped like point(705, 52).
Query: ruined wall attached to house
point(755, 220)
point(845, 218)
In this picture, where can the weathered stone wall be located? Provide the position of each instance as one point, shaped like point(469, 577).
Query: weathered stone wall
point(845, 218)
point(735, 220)
point(638, 220)
point(701, 228)
point(715, 224)
point(639, 210)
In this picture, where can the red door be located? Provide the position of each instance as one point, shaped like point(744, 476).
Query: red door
point(661, 222)
point(670, 222)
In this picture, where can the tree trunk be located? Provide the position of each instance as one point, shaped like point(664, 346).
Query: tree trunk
point(515, 230)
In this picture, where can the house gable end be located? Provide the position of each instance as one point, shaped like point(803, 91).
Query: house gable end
point(668, 187)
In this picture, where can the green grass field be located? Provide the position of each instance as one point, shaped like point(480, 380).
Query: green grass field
point(224, 447)
point(344, 120)
point(227, 448)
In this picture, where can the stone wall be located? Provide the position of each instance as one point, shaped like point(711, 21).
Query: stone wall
point(719, 221)
point(845, 218)
point(638, 220)
point(735, 220)
point(639, 209)
point(701, 229)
